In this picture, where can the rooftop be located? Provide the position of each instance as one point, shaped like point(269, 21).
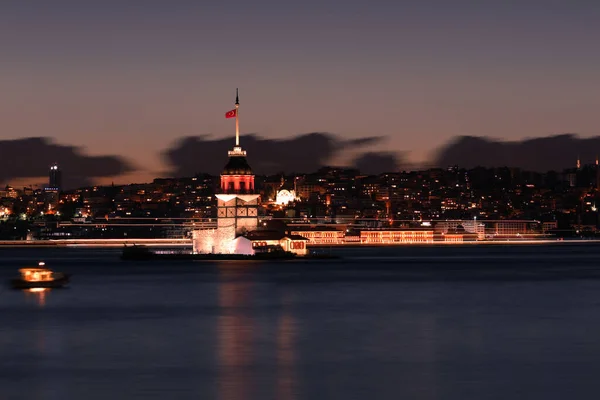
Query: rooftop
point(237, 165)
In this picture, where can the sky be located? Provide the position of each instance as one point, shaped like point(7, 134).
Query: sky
point(132, 78)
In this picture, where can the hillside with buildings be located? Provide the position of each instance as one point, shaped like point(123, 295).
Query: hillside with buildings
point(339, 203)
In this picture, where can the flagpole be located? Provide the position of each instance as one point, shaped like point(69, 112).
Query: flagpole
point(237, 119)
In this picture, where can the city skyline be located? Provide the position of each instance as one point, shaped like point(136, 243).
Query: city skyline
point(132, 82)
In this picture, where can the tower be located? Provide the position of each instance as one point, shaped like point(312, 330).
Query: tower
point(237, 203)
point(578, 163)
point(54, 177)
point(51, 192)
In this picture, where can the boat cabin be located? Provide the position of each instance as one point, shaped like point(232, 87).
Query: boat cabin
point(36, 274)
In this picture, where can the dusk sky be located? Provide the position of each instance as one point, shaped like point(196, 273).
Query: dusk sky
point(131, 78)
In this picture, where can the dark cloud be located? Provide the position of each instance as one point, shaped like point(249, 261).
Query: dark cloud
point(539, 154)
point(303, 153)
point(371, 163)
point(363, 141)
point(31, 157)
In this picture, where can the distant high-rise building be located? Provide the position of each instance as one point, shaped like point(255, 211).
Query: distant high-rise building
point(55, 177)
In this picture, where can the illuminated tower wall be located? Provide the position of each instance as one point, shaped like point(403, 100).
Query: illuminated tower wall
point(237, 204)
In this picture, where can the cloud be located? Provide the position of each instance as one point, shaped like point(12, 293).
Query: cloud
point(363, 141)
point(539, 154)
point(31, 157)
point(302, 153)
point(371, 163)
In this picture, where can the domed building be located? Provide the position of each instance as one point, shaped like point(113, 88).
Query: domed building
point(286, 193)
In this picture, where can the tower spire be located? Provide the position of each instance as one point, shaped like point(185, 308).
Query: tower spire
point(237, 118)
point(237, 149)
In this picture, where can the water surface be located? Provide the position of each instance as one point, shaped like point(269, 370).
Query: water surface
point(420, 323)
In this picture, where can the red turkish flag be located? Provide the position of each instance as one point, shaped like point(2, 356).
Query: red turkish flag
point(231, 114)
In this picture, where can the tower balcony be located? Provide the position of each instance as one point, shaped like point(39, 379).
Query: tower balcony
point(235, 191)
point(237, 184)
point(237, 152)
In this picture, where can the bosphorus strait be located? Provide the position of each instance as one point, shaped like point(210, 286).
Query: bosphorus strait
point(438, 322)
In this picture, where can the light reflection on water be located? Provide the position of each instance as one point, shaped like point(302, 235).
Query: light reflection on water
point(286, 357)
point(37, 294)
point(235, 340)
point(238, 340)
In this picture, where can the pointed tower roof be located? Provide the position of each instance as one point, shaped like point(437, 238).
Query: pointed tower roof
point(237, 165)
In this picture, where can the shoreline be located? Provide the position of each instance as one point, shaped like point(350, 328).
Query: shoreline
point(185, 243)
point(455, 244)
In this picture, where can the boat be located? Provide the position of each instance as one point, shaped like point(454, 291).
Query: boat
point(143, 253)
point(39, 277)
point(137, 252)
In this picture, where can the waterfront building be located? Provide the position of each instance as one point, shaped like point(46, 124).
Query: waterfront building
point(468, 226)
point(265, 241)
point(454, 237)
point(510, 228)
point(320, 235)
point(396, 236)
